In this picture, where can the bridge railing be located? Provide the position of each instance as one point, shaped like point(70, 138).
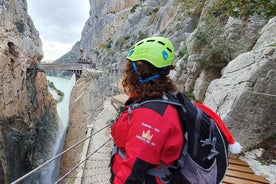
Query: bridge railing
point(65, 66)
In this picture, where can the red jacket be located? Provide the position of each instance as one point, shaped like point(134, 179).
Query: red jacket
point(148, 136)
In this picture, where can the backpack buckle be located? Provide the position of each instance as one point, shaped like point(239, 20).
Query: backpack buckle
point(212, 142)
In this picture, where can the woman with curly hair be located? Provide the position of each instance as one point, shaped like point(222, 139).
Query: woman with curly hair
point(150, 134)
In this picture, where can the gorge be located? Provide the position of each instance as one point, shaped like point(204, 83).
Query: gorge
point(226, 62)
point(52, 172)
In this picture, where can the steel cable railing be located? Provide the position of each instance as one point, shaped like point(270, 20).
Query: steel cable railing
point(60, 154)
point(259, 93)
point(74, 168)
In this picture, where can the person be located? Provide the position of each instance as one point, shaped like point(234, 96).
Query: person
point(147, 136)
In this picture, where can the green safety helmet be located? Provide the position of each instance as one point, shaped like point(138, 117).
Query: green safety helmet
point(158, 51)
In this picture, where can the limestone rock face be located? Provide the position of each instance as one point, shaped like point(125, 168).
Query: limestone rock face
point(268, 35)
point(245, 94)
point(106, 17)
point(206, 44)
point(28, 118)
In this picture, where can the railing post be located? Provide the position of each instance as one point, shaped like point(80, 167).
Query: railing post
point(84, 155)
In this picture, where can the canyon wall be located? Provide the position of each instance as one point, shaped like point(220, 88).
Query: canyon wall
point(28, 117)
point(207, 42)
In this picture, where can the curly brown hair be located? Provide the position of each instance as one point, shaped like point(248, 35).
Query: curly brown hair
point(148, 90)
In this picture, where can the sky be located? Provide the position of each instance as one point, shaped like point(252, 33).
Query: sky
point(59, 23)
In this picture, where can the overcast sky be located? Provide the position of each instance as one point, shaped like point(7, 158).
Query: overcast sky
point(59, 23)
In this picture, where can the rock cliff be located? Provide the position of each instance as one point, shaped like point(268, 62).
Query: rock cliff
point(206, 41)
point(28, 117)
point(226, 62)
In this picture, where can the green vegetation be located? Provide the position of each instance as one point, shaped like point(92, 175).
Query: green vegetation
point(212, 46)
point(183, 52)
point(208, 40)
point(201, 37)
point(106, 45)
point(20, 25)
point(153, 17)
point(264, 162)
point(245, 8)
point(134, 8)
point(60, 93)
point(234, 8)
point(179, 26)
point(272, 45)
point(121, 42)
point(268, 156)
point(190, 95)
point(194, 6)
point(51, 85)
point(268, 145)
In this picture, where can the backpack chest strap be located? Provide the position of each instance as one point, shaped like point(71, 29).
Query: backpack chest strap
point(116, 150)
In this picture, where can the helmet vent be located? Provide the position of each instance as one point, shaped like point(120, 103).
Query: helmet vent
point(140, 43)
point(161, 43)
point(169, 49)
point(150, 40)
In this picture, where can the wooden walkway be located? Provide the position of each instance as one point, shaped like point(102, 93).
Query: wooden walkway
point(238, 171)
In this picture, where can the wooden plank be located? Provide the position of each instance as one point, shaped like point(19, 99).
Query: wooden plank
point(246, 176)
point(236, 161)
point(234, 180)
point(240, 168)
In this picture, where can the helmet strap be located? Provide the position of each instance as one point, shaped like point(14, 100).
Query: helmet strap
point(141, 80)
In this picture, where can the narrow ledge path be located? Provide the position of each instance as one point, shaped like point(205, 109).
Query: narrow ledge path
point(96, 169)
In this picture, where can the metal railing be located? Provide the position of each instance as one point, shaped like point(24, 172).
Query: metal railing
point(79, 164)
point(63, 152)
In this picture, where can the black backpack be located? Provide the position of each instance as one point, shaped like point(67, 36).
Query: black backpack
point(204, 157)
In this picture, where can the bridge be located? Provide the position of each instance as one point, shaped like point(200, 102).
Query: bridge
point(77, 68)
